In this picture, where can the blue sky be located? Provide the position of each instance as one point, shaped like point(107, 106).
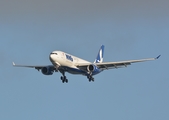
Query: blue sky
point(30, 30)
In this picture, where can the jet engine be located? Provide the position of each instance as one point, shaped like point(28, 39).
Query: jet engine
point(91, 68)
point(47, 70)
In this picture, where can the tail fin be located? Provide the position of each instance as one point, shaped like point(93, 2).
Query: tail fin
point(99, 58)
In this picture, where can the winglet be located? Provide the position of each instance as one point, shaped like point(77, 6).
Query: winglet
point(13, 63)
point(158, 57)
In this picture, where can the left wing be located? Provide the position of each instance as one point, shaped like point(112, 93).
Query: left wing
point(119, 64)
point(36, 67)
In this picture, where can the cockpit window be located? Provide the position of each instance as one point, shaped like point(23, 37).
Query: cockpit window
point(54, 53)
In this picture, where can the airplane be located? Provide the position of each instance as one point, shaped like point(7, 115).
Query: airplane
point(64, 62)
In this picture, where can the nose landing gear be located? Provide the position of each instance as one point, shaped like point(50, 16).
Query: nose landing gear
point(63, 78)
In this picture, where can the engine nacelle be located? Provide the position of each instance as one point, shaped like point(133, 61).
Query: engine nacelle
point(91, 68)
point(47, 70)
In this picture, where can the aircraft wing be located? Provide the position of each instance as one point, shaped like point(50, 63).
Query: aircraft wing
point(119, 64)
point(36, 67)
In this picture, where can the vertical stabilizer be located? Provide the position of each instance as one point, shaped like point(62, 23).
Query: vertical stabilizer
point(99, 58)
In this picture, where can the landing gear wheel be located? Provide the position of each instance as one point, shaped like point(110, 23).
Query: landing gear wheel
point(90, 78)
point(64, 79)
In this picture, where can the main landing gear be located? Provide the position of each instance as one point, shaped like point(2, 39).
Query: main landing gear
point(90, 78)
point(63, 78)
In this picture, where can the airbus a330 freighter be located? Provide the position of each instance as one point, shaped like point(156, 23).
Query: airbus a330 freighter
point(64, 62)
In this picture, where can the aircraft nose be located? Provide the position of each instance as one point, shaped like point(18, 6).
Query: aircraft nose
point(51, 57)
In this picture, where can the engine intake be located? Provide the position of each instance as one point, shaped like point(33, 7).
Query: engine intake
point(47, 70)
point(91, 68)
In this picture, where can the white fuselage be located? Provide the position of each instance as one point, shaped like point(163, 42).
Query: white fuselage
point(59, 58)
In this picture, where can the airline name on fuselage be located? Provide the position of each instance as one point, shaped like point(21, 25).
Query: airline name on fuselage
point(69, 57)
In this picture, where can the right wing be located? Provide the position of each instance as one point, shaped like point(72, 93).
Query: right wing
point(112, 65)
point(120, 64)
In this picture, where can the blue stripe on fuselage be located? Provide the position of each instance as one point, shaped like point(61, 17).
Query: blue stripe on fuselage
point(78, 71)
